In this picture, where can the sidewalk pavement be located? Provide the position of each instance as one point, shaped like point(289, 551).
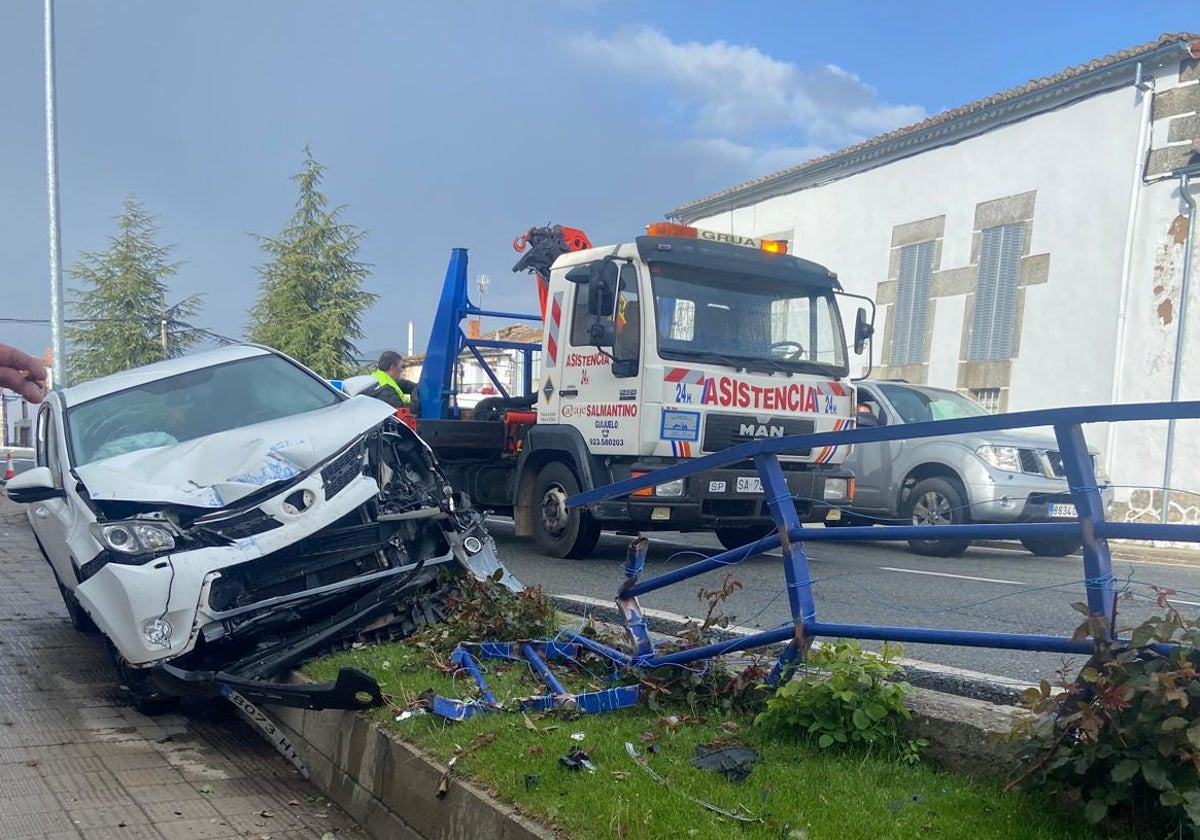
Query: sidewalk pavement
point(76, 762)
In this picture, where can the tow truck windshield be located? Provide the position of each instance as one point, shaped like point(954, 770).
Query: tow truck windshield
point(746, 322)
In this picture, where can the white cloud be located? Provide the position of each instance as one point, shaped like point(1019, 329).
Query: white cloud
point(747, 161)
point(738, 93)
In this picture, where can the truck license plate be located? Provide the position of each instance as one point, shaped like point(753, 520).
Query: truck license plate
point(749, 484)
point(1062, 511)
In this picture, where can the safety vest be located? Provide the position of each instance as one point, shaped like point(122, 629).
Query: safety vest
point(381, 376)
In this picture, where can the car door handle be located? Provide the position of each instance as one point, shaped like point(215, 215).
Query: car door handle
point(569, 392)
point(40, 513)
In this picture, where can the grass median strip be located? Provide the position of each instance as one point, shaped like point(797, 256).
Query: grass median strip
point(651, 788)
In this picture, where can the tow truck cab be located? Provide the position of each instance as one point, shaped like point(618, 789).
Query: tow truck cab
point(680, 344)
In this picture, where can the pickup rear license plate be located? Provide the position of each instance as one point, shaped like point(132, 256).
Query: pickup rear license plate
point(749, 484)
point(1063, 511)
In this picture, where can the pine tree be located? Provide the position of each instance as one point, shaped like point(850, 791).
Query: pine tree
point(122, 318)
point(311, 299)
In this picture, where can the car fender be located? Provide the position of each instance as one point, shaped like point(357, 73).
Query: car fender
point(938, 455)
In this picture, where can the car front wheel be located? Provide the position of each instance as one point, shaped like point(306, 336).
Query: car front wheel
point(80, 620)
point(937, 501)
point(140, 689)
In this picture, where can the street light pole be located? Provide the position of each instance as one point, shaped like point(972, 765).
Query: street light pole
point(58, 367)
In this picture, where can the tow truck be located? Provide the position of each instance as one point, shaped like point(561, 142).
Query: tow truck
point(680, 343)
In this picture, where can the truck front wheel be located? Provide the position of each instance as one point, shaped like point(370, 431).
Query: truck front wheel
point(735, 536)
point(560, 531)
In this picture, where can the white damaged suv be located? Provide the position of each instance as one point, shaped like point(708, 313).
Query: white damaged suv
point(222, 516)
point(1015, 475)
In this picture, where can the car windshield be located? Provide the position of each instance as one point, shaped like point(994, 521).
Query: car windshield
point(753, 322)
point(920, 405)
point(192, 405)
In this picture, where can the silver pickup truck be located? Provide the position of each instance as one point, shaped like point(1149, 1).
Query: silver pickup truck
point(1005, 476)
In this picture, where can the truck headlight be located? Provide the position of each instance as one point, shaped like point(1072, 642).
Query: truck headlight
point(135, 536)
point(670, 489)
point(837, 489)
point(1007, 458)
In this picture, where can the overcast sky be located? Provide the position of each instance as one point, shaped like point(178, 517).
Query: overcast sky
point(464, 122)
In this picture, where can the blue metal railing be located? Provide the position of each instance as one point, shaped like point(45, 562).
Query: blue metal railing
point(790, 536)
point(1090, 526)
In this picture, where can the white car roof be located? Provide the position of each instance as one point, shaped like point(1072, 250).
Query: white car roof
point(94, 388)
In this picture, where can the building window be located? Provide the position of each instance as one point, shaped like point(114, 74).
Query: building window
point(989, 398)
point(996, 294)
point(911, 315)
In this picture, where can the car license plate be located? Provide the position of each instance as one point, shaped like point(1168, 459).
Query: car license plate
point(749, 484)
point(1063, 511)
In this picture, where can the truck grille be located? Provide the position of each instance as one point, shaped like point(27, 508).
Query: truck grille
point(722, 431)
point(341, 471)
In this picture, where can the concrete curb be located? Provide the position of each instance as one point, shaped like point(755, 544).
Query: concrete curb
point(965, 735)
point(390, 787)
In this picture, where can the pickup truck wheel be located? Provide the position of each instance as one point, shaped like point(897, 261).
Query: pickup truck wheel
point(1051, 546)
point(936, 501)
point(560, 531)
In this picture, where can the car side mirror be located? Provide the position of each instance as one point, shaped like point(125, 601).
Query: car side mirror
point(863, 330)
point(35, 485)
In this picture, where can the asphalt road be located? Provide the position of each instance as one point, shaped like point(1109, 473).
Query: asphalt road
point(991, 589)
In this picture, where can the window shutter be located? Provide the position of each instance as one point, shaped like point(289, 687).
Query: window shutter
point(996, 292)
point(912, 304)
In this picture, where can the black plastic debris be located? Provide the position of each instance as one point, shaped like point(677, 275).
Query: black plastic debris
point(531, 780)
point(577, 760)
point(733, 761)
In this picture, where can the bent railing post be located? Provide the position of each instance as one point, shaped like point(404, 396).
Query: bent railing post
point(796, 572)
point(1089, 509)
point(795, 559)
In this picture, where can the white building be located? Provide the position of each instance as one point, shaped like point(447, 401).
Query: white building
point(1027, 249)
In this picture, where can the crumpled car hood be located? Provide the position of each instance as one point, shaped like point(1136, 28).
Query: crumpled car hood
point(217, 470)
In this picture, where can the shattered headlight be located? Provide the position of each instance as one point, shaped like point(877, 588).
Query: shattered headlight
point(135, 536)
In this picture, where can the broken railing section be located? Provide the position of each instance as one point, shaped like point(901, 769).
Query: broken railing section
point(536, 655)
point(790, 536)
point(569, 646)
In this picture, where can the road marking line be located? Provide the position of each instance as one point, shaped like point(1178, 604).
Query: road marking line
point(948, 575)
